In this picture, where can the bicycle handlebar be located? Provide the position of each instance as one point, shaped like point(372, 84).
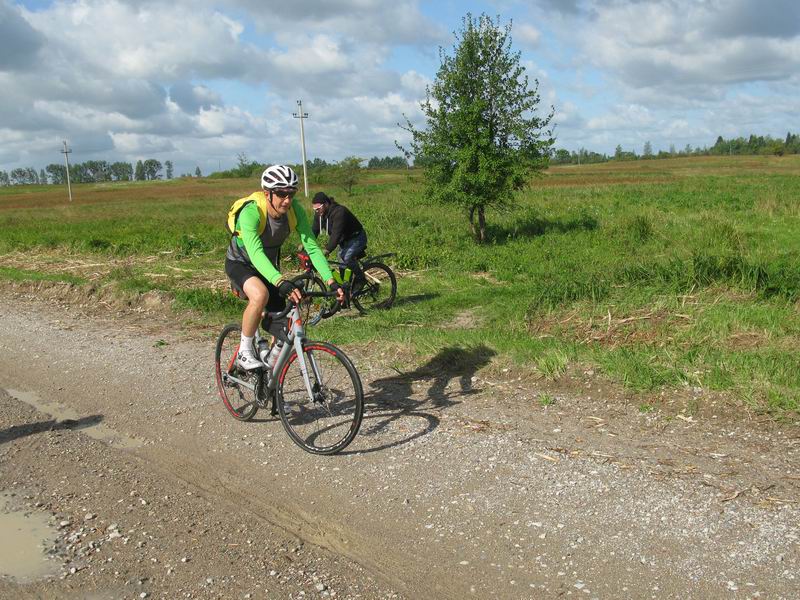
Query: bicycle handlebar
point(275, 316)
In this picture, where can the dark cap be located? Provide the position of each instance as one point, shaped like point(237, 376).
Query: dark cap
point(321, 198)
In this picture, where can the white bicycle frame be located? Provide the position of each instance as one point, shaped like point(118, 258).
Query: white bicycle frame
point(295, 337)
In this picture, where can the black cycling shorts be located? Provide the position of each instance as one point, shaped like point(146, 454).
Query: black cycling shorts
point(239, 272)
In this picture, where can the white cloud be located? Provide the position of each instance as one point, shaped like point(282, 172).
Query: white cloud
point(116, 40)
point(139, 76)
point(312, 56)
point(372, 22)
point(527, 35)
point(669, 45)
point(199, 81)
point(133, 144)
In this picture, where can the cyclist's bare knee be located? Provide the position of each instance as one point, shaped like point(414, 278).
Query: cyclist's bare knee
point(256, 291)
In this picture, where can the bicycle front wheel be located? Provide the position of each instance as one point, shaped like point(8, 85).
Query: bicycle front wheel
point(377, 290)
point(237, 388)
point(324, 416)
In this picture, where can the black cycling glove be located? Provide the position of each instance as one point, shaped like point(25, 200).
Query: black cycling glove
point(285, 288)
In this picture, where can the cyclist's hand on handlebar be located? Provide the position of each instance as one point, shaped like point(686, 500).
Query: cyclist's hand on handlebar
point(335, 287)
point(289, 290)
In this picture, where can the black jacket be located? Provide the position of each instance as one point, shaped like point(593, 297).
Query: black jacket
point(339, 223)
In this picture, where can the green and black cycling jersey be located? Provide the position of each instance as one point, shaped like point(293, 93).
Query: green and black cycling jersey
point(262, 250)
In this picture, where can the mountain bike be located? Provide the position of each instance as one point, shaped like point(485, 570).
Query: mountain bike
point(375, 290)
point(312, 386)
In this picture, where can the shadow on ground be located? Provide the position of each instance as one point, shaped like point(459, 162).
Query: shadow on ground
point(535, 226)
point(415, 299)
point(19, 431)
point(391, 399)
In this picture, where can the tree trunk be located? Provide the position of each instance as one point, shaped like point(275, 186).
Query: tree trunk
point(482, 224)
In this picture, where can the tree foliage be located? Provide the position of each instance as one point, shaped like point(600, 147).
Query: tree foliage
point(348, 171)
point(57, 173)
point(122, 171)
point(483, 139)
point(388, 162)
point(152, 169)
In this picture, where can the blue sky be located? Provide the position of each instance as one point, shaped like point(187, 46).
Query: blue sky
point(199, 81)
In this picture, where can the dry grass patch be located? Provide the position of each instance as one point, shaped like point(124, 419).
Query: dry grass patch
point(654, 327)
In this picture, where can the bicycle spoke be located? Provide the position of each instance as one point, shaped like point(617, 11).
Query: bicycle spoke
point(326, 420)
point(237, 389)
point(376, 289)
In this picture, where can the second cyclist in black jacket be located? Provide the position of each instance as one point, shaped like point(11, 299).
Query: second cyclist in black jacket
point(343, 229)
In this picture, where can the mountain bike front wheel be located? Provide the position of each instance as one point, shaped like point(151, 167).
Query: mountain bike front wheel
point(324, 416)
point(238, 389)
point(377, 289)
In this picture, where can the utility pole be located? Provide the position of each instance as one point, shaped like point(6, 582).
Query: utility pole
point(301, 115)
point(66, 151)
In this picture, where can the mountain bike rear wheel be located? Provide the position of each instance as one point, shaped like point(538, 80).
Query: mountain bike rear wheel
point(238, 389)
point(377, 290)
point(327, 420)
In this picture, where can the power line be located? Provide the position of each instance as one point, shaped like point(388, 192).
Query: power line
point(301, 115)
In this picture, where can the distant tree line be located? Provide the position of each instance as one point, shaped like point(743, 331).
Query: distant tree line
point(740, 146)
point(376, 162)
point(246, 168)
point(91, 171)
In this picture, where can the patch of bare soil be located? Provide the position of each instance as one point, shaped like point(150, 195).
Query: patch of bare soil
point(461, 482)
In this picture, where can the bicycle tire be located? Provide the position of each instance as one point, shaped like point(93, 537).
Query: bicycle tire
point(312, 309)
point(378, 289)
point(329, 422)
point(241, 402)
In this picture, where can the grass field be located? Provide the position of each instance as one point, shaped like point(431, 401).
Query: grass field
point(660, 274)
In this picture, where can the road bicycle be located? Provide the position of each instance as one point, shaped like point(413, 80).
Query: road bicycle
point(375, 289)
point(312, 386)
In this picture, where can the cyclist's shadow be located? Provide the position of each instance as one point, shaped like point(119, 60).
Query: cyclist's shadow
point(391, 399)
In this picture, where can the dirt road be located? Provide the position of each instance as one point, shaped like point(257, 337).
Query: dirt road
point(460, 484)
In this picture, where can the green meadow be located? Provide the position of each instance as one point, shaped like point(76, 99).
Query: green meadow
point(659, 274)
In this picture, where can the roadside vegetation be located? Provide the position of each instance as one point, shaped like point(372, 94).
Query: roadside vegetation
point(665, 274)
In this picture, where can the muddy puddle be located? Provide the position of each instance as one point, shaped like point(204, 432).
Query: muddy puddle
point(25, 538)
point(67, 418)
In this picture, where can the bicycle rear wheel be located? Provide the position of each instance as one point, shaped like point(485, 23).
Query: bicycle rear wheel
point(238, 389)
point(311, 309)
point(377, 290)
point(328, 419)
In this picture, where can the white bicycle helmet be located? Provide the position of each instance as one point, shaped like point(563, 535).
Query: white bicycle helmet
point(278, 176)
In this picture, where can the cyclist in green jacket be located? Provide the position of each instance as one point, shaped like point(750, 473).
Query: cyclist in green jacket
point(260, 224)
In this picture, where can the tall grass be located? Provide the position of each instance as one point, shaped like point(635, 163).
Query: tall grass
point(679, 260)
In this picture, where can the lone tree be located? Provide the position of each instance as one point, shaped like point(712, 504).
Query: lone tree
point(483, 139)
point(348, 172)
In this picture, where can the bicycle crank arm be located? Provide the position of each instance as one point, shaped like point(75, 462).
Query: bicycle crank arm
point(228, 377)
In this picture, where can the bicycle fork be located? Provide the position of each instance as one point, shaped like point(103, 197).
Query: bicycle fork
point(298, 348)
